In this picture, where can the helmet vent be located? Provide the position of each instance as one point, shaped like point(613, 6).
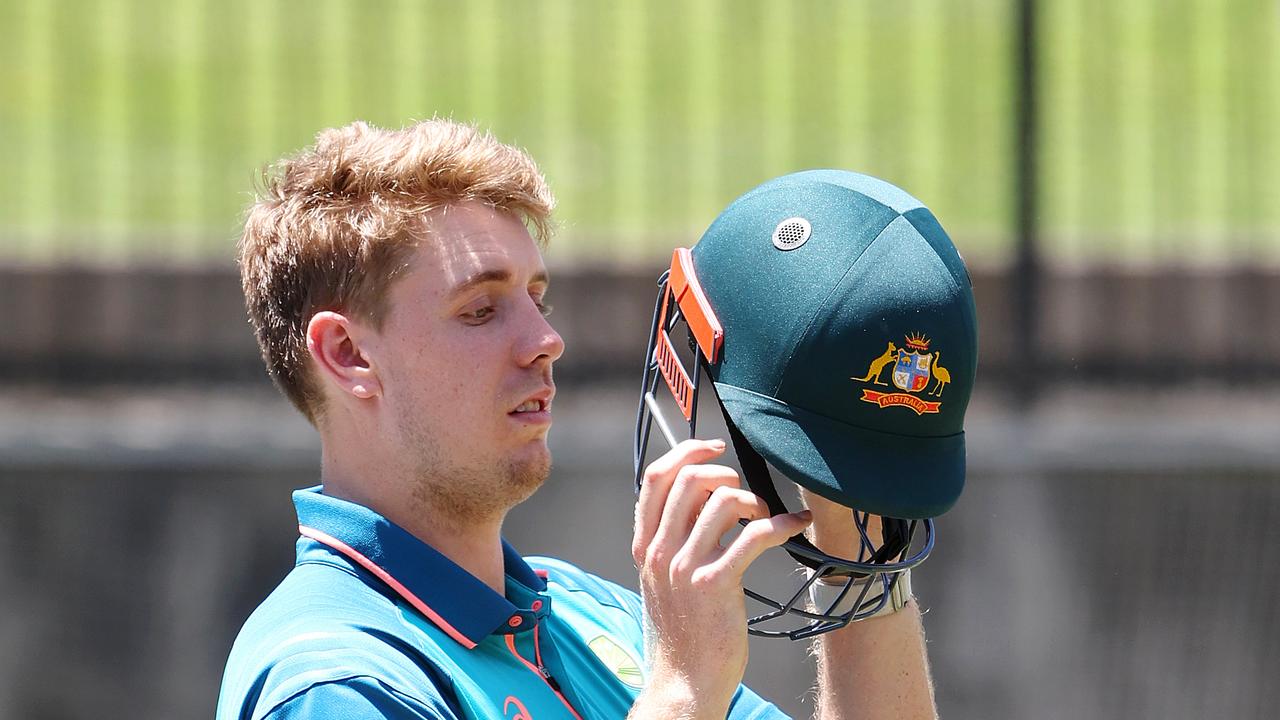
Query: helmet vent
point(791, 233)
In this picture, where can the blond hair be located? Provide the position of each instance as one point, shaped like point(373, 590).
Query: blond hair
point(333, 225)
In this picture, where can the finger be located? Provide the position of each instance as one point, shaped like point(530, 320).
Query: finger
point(758, 536)
point(720, 515)
point(693, 486)
point(658, 478)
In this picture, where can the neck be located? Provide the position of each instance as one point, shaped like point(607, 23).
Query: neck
point(474, 544)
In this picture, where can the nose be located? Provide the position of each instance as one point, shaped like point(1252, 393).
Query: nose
point(541, 341)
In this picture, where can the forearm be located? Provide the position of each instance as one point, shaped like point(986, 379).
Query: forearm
point(654, 707)
point(875, 668)
point(674, 698)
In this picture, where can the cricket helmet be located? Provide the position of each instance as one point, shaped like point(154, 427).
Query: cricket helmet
point(836, 322)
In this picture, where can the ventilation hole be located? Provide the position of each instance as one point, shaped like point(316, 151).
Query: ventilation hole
point(791, 233)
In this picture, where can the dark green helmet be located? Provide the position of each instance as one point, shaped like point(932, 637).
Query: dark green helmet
point(836, 321)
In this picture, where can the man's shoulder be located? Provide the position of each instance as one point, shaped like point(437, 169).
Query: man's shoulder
point(315, 601)
point(592, 605)
point(322, 624)
point(571, 578)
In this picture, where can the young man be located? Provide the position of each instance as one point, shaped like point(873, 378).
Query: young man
point(397, 294)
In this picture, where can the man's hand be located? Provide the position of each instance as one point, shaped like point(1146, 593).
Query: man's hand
point(692, 585)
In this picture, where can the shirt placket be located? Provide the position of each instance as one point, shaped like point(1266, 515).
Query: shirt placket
point(526, 643)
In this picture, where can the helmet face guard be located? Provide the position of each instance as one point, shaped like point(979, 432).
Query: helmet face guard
point(864, 583)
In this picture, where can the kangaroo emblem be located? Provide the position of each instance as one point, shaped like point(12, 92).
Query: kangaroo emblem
point(914, 370)
point(941, 373)
point(877, 366)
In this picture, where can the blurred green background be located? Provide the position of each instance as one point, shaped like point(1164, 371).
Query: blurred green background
point(1116, 553)
point(131, 127)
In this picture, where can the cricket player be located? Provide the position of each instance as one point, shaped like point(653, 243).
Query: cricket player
point(396, 286)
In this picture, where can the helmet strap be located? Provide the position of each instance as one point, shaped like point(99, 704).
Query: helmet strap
point(756, 472)
point(896, 533)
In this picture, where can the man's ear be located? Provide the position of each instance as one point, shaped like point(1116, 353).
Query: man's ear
point(334, 344)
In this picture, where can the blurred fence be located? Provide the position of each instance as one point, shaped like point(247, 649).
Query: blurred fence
point(1135, 327)
point(1114, 168)
point(1110, 170)
point(1099, 565)
point(132, 127)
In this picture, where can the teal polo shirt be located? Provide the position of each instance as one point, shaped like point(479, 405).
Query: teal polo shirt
point(374, 623)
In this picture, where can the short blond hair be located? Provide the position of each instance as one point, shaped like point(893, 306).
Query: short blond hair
point(333, 226)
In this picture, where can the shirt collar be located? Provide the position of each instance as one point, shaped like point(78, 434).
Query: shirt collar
point(453, 599)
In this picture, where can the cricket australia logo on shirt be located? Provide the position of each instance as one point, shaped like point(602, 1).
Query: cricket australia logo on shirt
point(914, 370)
point(621, 663)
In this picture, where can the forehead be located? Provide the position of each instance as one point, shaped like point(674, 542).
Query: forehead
point(467, 240)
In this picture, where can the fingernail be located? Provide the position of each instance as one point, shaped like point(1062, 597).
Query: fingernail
point(805, 515)
point(718, 444)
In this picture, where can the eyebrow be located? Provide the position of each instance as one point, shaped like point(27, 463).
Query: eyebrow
point(495, 275)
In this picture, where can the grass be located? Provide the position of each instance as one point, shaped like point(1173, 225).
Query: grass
point(133, 128)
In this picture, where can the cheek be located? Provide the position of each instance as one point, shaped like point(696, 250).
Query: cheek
point(447, 381)
point(453, 372)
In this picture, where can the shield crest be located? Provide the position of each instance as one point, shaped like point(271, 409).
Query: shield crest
point(912, 371)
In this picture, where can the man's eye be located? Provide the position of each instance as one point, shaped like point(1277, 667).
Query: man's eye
point(544, 308)
point(480, 314)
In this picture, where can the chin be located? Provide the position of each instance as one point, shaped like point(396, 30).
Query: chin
point(528, 472)
point(535, 467)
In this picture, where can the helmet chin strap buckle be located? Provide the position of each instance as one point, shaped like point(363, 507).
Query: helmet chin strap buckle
point(840, 599)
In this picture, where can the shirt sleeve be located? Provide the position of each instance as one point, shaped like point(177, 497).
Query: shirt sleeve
point(358, 698)
point(747, 705)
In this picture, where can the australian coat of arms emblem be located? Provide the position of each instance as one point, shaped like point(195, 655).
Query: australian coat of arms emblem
point(915, 370)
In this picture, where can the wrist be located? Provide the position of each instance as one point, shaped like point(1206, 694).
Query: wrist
point(674, 698)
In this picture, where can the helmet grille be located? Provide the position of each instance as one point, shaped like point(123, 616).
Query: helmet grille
point(791, 233)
